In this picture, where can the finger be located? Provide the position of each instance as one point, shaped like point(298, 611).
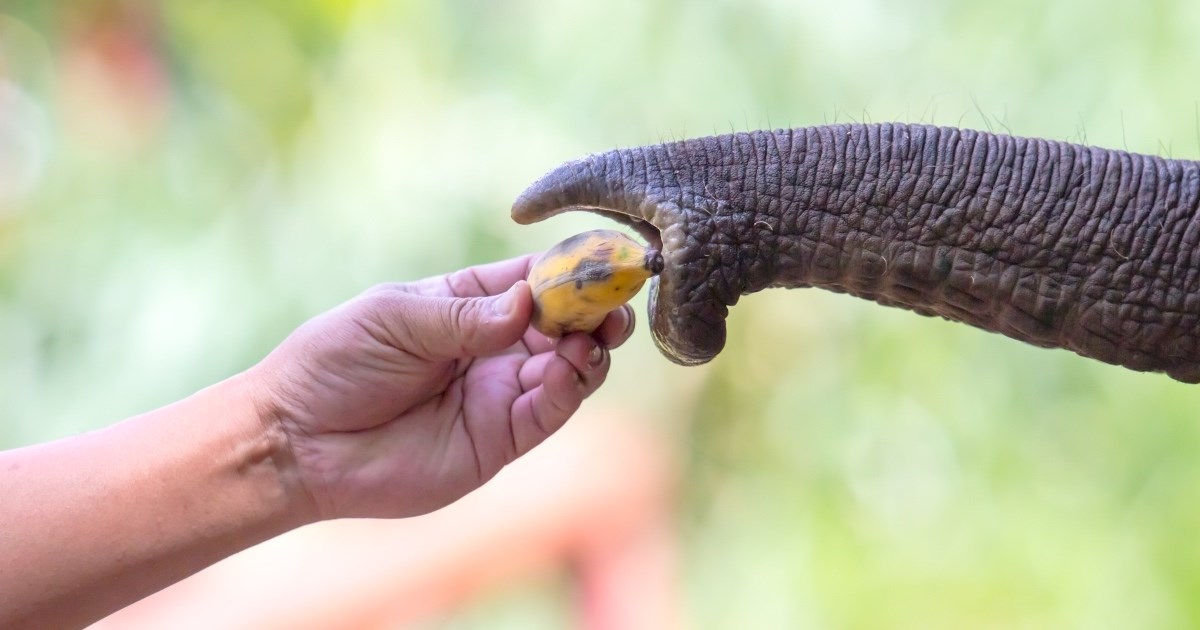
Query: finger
point(475, 281)
point(438, 328)
point(616, 327)
point(533, 370)
point(538, 343)
point(588, 357)
point(612, 332)
point(540, 412)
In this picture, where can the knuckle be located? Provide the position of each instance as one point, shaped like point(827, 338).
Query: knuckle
point(382, 301)
point(460, 313)
point(462, 318)
point(385, 315)
point(385, 288)
point(464, 282)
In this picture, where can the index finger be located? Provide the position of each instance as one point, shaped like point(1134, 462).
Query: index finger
point(476, 281)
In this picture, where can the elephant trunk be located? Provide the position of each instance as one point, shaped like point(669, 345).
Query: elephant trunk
point(1054, 244)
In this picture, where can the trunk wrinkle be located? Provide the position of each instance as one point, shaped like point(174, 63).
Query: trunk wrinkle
point(1054, 244)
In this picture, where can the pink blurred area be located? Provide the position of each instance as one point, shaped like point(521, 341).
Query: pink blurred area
point(94, 77)
point(114, 82)
point(593, 503)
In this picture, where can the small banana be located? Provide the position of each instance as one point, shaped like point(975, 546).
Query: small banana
point(580, 280)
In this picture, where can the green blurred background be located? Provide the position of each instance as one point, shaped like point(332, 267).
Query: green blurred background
point(184, 182)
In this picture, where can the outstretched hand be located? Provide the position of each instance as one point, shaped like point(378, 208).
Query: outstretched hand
point(413, 394)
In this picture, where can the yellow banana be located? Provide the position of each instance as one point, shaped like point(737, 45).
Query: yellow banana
point(580, 280)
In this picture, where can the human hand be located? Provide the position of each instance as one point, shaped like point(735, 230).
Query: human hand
point(413, 394)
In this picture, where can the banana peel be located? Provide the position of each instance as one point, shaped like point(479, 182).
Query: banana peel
point(577, 282)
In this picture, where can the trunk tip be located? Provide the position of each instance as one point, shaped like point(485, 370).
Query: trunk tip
point(551, 194)
point(532, 205)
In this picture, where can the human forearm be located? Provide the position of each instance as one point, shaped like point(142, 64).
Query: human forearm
point(94, 522)
point(397, 403)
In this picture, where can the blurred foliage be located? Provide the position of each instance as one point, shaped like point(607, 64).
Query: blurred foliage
point(182, 183)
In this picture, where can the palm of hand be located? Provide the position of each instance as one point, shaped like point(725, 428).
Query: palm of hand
point(410, 396)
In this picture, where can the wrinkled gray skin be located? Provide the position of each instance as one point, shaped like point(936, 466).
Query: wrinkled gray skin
point(1054, 244)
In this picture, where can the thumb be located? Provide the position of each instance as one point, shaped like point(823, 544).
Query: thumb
point(450, 328)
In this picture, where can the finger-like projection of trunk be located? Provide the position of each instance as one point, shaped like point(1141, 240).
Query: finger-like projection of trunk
point(1055, 244)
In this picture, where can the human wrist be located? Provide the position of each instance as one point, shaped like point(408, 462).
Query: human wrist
point(269, 445)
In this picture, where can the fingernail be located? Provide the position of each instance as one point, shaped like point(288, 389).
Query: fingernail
point(596, 356)
point(504, 303)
